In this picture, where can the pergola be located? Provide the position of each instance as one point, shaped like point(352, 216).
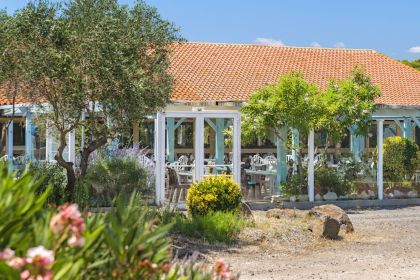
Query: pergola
point(199, 117)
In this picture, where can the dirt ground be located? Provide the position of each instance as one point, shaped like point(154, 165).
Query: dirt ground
point(385, 245)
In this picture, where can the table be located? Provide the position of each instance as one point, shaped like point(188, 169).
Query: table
point(272, 174)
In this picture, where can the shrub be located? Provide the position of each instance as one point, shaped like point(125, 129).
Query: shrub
point(220, 193)
point(294, 186)
point(211, 227)
point(51, 174)
point(400, 158)
point(113, 176)
point(329, 180)
point(37, 242)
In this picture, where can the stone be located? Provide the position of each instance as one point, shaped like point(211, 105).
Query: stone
point(412, 194)
point(318, 197)
point(343, 197)
point(277, 199)
point(398, 194)
point(335, 212)
point(302, 197)
point(364, 195)
point(330, 196)
point(326, 227)
point(292, 198)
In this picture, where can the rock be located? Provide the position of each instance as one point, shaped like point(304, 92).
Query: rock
point(292, 198)
point(333, 212)
point(326, 227)
point(277, 199)
point(330, 196)
point(364, 195)
point(343, 197)
point(303, 197)
point(398, 194)
point(318, 197)
point(412, 194)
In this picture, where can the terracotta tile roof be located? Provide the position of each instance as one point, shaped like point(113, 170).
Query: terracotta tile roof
point(231, 72)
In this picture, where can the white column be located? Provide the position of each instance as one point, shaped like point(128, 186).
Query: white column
point(28, 135)
point(311, 149)
point(71, 142)
point(379, 174)
point(48, 143)
point(199, 147)
point(159, 153)
point(9, 147)
point(82, 136)
point(237, 149)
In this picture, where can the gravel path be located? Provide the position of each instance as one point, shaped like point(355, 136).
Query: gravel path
point(386, 245)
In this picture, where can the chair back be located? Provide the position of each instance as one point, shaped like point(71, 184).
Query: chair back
point(173, 177)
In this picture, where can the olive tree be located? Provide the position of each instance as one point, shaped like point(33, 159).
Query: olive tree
point(94, 56)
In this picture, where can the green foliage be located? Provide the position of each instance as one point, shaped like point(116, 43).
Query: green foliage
point(212, 227)
point(124, 243)
point(294, 186)
point(52, 175)
point(348, 104)
point(112, 176)
point(292, 102)
point(415, 63)
point(20, 203)
point(214, 193)
point(350, 169)
point(329, 180)
point(107, 59)
point(400, 158)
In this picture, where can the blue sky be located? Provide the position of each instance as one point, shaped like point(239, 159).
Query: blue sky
point(389, 26)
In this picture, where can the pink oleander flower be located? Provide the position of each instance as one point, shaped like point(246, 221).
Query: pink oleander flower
point(40, 256)
point(16, 263)
point(7, 254)
point(69, 218)
point(76, 241)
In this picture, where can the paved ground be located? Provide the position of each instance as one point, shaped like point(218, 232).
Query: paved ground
point(386, 245)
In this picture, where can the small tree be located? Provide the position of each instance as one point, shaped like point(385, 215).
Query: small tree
point(294, 103)
point(96, 56)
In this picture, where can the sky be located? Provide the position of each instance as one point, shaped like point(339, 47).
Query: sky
point(388, 26)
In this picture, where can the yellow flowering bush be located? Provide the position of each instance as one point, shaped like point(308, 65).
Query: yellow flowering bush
point(220, 193)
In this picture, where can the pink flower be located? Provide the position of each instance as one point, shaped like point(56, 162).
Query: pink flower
point(7, 254)
point(40, 256)
point(76, 241)
point(16, 263)
point(69, 218)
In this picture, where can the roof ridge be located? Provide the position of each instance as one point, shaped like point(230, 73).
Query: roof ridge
point(270, 46)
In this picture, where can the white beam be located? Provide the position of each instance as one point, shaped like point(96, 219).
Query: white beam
point(9, 142)
point(71, 143)
point(311, 174)
point(159, 153)
point(237, 149)
point(199, 147)
point(379, 176)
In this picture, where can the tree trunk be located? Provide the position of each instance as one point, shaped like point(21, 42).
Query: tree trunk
point(71, 175)
point(85, 153)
